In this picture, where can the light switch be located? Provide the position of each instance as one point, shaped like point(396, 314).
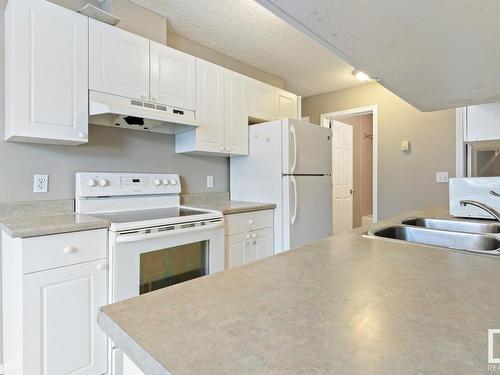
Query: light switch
point(442, 177)
point(405, 146)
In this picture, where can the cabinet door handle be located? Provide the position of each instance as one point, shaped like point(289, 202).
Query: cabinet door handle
point(228, 149)
point(102, 266)
point(222, 148)
point(254, 235)
point(247, 236)
point(82, 135)
point(250, 221)
point(144, 97)
point(69, 250)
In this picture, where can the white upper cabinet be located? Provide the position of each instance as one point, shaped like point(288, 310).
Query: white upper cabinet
point(221, 109)
point(266, 103)
point(209, 106)
point(483, 122)
point(236, 112)
point(172, 77)
point(261, 99)
point(119, 61)
point(46, 73)
point(285, 104)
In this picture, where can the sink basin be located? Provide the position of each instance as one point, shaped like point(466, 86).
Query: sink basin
point(457, 225)
point(482, 243)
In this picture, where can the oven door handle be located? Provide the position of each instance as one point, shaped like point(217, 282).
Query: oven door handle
point(126, 238)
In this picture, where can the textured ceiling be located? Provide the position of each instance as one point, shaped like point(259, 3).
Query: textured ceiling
point(434, 54)
point(244, 30)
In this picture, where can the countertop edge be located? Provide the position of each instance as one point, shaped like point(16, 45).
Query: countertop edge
point(70, 227)
point(141, 358)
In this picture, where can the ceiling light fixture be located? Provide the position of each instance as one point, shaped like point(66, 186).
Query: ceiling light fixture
point(361, 76)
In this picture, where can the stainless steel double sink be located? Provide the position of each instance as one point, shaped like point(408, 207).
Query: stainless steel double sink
point(479, 236)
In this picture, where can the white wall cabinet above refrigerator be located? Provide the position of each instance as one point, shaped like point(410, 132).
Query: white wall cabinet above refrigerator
point(127, 65)
point(46, 73)
point(266, 103)
point(221, 109)
point(483, 122)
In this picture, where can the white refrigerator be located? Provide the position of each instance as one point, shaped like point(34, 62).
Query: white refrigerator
point(289, 164)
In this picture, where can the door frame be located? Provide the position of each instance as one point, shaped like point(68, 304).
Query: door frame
point(373, 110)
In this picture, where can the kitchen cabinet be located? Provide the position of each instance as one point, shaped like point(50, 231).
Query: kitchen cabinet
point(266, 103)
point(46, 73)
point(119, 61)
point(221, 109)
point(286, 105)
point(483, 122)
point(53, 287)
point(60, 309)
point(249, 237)
point(261, 99)
point(172, 77)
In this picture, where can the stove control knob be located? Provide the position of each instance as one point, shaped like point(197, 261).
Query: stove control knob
point(103, 182)
point(165, 182)
point(91, 183)
point(173, 182)
point(156, 182)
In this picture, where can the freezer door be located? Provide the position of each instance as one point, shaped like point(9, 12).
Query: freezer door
point(307, 205)
point(307, 148)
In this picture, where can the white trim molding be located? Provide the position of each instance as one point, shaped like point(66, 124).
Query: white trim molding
point(461, 129)
point(373, 110)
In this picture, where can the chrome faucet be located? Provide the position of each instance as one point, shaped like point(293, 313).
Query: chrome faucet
point(483, 206)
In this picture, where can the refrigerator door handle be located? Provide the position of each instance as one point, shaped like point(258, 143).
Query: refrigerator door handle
point(294, 137)
point(295, 199)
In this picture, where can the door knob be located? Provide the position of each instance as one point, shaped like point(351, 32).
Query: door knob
point(352, 191)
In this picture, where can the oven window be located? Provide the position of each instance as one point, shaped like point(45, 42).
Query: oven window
point(173, 265)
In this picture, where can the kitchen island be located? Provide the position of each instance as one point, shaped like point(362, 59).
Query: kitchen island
point(344, 305)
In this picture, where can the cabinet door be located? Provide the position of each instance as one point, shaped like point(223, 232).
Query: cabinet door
point(61, 335)
point(46, 66)
point(172, 77)
point(483, 122)
point(263, 243)
point(237, 247)
point(119, 61)
point(261, 98)
point(236, 115)
point(285, 104)
point(210, 106)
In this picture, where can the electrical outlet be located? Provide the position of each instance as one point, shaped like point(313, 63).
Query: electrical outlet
point(40, 183)
point(442, 177)
point(210, 181)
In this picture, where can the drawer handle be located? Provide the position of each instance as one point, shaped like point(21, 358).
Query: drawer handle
point(102, 266)
point(69, 250)
point(250, 221)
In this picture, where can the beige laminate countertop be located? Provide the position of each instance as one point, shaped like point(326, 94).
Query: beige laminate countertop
point(344, 305)
point(41, 225)
point(236, 207)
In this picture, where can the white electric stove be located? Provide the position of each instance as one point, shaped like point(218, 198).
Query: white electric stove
point(154, 242)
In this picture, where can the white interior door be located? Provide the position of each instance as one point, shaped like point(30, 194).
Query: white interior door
point(342, 151)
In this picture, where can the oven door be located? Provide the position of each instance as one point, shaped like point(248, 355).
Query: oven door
point(144, 261)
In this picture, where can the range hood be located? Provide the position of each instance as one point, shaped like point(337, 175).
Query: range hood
point(118, 111)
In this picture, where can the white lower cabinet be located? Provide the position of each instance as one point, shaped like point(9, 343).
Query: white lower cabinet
point(60, 326)
point(249, 237)
point(50, 312)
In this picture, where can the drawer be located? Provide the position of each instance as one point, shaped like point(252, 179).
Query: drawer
point(45, 252)
point(248, 221)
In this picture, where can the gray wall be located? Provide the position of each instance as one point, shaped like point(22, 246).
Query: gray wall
point(406, 181)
